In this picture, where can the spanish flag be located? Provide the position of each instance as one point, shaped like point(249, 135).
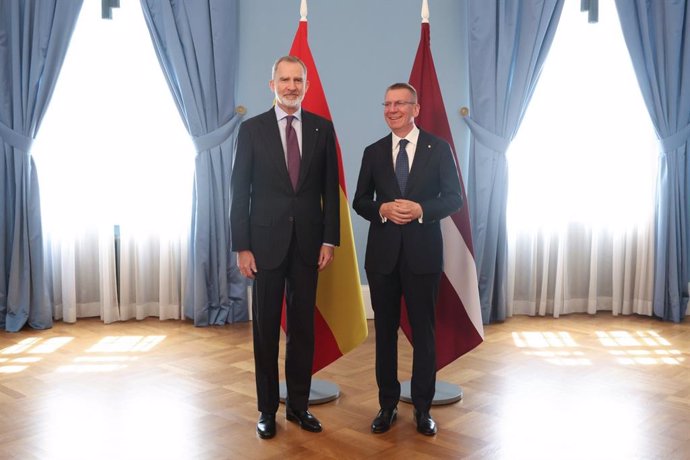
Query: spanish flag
point(340, 321)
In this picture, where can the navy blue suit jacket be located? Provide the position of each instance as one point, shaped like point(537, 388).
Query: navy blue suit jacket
point(433, 183)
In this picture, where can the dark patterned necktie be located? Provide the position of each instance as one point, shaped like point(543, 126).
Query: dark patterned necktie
point(293, 156)
point(402, 166)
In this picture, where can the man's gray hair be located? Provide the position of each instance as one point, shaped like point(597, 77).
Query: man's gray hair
point(293, 59)
point(406, 86)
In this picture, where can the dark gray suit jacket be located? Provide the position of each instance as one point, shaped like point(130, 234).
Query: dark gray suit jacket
point(266, 210)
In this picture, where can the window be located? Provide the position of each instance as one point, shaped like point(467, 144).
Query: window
point(112, 147)
point(582, 177)
point(113, 151)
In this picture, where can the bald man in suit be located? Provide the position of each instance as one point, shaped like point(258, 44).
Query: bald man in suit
point(407, 183)
point(285, 224)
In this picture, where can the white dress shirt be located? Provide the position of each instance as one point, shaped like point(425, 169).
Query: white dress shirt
point(412, 138)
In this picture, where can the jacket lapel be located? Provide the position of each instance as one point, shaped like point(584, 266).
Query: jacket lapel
point(310, 134)
point(275, 152)
point(421, 158)
point(387, 167)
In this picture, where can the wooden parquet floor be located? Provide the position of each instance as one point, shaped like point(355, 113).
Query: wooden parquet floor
point(579, 387)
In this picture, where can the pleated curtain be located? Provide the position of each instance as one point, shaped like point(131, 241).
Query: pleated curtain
point(657, 34)
point(508, 43)
point(34, 37)
point(197, 47)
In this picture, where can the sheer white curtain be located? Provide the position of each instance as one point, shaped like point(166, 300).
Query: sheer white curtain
point(114, 162)
point(582, 180)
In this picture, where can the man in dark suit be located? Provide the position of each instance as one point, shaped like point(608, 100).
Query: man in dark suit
point(407, 183)
point(285, 224)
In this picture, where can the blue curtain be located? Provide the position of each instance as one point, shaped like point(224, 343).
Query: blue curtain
point(508, 43)
point(34, 36)
point(657, 34)
point(197, 45)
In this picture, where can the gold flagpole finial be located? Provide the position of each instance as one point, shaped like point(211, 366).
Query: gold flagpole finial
point(425, 11)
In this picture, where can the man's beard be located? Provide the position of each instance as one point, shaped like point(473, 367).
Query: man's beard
point(292, 103)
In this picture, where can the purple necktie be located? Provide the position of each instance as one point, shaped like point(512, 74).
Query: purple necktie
point(293, 156)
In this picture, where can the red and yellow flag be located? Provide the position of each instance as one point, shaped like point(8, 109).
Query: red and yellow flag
point(340, 321)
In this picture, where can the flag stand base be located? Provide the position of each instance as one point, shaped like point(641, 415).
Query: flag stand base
point(446, 393)
point(321, 392)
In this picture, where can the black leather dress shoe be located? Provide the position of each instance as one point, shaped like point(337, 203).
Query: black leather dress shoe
point(425, 424)
point(304, 419)
point(266, 428)
point(384, 419)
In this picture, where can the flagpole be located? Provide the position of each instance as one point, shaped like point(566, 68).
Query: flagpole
point(446, 393)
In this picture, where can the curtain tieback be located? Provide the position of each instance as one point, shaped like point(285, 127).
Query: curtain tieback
point(219, 135)
point(13, 138)
point(485, 137)
point(675, 141)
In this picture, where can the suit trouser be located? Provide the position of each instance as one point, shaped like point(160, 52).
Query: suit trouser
point(420, 293)
point(297, 281)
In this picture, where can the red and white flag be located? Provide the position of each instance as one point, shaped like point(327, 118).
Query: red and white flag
point(340, 320)
point(458, 312)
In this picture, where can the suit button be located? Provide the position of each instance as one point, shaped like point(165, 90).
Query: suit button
point(291, 219)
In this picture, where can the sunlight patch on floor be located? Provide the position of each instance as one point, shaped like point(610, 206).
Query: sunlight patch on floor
point(627, 348)
point(116, 353)
point(641, 347)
